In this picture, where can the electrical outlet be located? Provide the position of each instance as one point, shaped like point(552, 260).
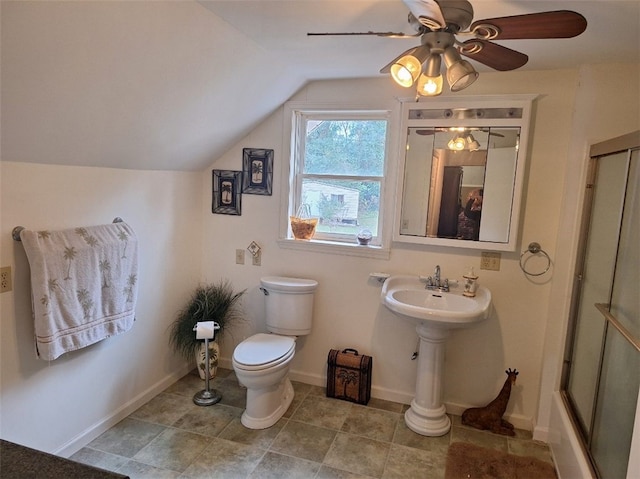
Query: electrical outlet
point(5, 279)
point(257, 258)
point(239, 256)
point(490, 261)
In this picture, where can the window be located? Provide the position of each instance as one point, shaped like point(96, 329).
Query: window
point(338, 162)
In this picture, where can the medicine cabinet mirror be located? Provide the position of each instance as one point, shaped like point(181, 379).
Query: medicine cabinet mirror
point(461, 171)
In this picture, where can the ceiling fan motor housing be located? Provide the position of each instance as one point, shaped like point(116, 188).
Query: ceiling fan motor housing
point(457, 13)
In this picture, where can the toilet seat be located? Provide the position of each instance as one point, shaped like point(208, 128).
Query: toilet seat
point(263, 351)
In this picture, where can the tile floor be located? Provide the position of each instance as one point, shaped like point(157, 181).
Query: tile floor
point(319, 437)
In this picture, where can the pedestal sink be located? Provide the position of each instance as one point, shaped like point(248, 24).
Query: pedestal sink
point(435, 313)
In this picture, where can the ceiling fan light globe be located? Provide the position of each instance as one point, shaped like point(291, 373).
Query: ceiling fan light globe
point(474, 145)
point(457, 143)
point(430, 86)
point(406, 70)
point(460, 75)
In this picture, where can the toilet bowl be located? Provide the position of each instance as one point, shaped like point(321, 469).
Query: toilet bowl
point(261, 362)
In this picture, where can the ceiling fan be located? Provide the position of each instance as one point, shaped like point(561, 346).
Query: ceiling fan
point(439, 23)
point(462, 138)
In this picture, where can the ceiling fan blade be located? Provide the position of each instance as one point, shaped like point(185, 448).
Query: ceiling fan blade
point(425, 132)
point(557, 24)
point(427, 12)
point(493, 55)
point(378, 34)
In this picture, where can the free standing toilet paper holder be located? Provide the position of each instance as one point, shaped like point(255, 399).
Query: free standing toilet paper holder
point(207, 397)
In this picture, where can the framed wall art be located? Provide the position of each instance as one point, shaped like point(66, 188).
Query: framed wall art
point(257, 169)
point(227, 193)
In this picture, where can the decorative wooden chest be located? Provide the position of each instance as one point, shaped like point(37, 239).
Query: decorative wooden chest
point(349, 375)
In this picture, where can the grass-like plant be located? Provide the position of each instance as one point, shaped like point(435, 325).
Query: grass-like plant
point(210, 302)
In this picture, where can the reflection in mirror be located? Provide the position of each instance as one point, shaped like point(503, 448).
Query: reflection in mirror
point(458, 183)
point(461, 181)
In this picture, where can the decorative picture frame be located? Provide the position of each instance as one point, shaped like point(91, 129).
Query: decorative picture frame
point(227, 195)
point(257, 168)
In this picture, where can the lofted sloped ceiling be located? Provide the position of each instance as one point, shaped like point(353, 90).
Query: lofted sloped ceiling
point(173, 85)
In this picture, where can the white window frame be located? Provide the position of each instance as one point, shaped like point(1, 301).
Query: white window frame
point(293, 144)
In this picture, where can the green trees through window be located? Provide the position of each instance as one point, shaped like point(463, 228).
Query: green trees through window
point(341, 172)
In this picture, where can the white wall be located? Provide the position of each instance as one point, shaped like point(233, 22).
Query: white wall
point(348, 311)
point(60, 405)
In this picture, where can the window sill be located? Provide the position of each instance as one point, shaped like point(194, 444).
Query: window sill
point(334, 247)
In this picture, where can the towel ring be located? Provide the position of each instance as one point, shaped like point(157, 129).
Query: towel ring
point(535, 248)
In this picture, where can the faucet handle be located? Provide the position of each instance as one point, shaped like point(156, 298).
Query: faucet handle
point(428, 280)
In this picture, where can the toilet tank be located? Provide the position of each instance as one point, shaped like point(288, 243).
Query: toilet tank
point(288, 304)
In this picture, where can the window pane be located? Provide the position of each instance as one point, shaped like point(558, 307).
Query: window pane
point(345, 147)
point(344, 207)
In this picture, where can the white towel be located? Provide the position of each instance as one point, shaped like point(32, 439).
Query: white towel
point(84, 285)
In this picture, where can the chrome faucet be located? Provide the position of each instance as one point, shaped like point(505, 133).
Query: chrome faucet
point(436, 283)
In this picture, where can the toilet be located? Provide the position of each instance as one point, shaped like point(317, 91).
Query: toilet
point(261, 362)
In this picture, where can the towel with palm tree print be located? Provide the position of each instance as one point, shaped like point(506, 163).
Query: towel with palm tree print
point(83, 285)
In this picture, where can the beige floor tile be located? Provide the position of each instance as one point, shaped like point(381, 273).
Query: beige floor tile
point(232, 393)
point(104, 460)
point(262, 438)
point(224, 459)
point(304, 441)
point(127, 437)
point(372, 423)
point(407, 462)
point(279, 466)
point(406, 437)
point(164, 409)
point(327, 472)
point(173, 449)
point(208, 420)
point(187, 385)
point(323, 412)
point(300, 392)
point(138, 470)
point(359, 455)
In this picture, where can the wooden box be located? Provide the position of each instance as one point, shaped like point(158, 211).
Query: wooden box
point(349, 376)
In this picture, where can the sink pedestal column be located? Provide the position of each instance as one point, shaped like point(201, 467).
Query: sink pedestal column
point(427, 414)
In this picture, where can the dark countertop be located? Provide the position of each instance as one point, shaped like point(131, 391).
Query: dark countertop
point(20, 462)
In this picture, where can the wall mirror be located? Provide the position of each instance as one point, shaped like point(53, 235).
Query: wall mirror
point(461, 171)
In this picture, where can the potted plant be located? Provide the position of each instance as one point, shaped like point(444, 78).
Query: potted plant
point(210, 302)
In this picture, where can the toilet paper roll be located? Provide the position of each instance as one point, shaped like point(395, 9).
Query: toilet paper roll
point(206, 329)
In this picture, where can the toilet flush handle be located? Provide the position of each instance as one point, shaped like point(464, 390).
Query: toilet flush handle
point(266, 293)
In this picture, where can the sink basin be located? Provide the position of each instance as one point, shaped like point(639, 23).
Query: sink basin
point(408, 297)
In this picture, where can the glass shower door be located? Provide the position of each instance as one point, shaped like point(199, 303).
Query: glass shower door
point(602, 380)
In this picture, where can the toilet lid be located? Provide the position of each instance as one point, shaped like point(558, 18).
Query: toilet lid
point(261, 349)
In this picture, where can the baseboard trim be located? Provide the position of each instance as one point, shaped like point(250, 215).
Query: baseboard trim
point(89, 434)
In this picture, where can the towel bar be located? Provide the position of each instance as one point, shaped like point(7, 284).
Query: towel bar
point(15, 232)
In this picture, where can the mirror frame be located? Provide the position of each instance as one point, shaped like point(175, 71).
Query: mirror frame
point(472, 104)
